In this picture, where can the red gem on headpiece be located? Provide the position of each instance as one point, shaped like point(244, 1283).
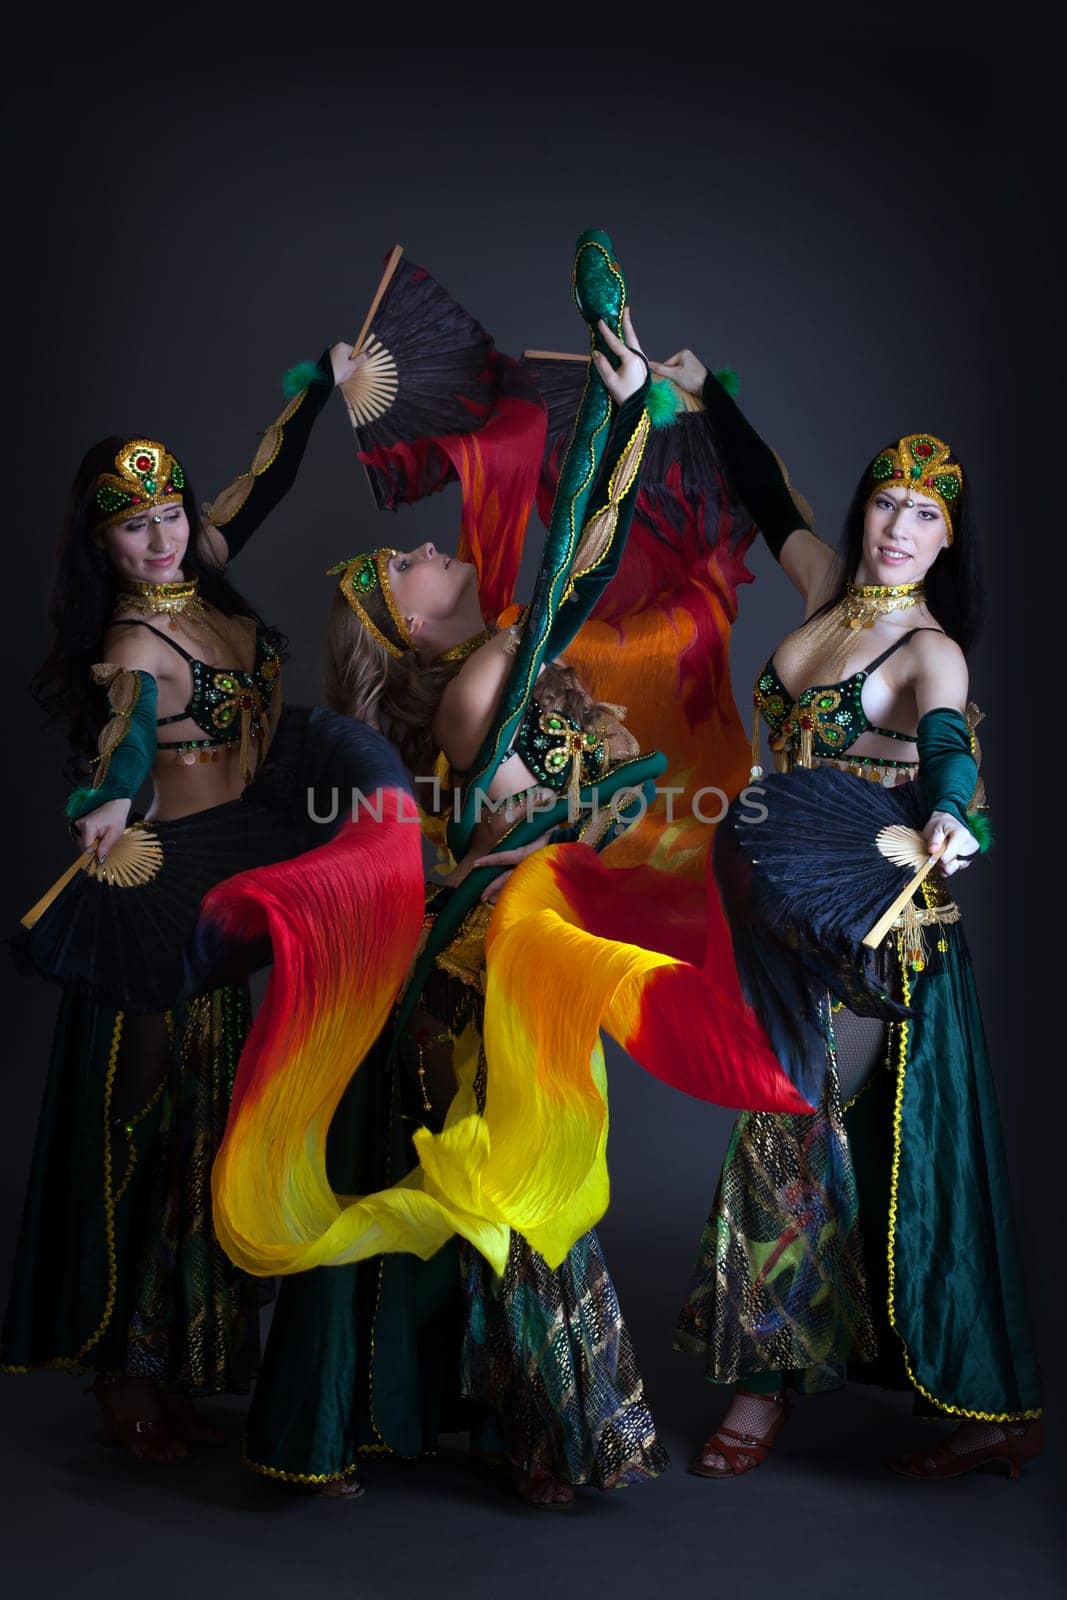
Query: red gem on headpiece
point(143, 463)
point(898, 472)
point(929, 482)
point(923, 450)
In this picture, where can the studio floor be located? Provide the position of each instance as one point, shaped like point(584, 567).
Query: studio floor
point(822, 1518)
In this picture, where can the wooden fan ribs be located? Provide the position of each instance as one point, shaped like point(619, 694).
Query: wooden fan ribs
point(134, 859)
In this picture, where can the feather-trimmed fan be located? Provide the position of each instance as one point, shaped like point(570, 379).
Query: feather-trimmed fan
point(119, 927)
point(681, 453)
point(428, 374)
point(813, 868)
point(681, 462)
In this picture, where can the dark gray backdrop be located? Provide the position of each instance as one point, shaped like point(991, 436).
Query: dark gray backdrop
point(852, 208)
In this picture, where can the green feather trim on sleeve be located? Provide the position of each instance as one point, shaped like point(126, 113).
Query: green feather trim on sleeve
point(82, 801)
point(730, 380)
point(300, 377)
point(662, 402)
point(981, 825)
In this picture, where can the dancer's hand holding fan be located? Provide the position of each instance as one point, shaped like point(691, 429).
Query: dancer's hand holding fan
point(814, 866)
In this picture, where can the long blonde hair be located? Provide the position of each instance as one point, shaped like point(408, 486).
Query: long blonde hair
point(400, 695)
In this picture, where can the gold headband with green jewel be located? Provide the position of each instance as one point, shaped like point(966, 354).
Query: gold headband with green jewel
point(146, 476)
point(364, 582)
point(920, 462)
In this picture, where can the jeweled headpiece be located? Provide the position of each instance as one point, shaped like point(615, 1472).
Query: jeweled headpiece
point(920, 462)
point(364, 582)
point(145, 475)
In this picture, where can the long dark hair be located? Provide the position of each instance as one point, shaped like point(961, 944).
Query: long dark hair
point(953, 583)
point(82, 599)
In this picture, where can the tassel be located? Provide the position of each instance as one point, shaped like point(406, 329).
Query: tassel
point(756, 769)
point(912, 937)
point(270, 721)
point(246, 744)
point(783, 759)
point(804, 753)
point(574, 786)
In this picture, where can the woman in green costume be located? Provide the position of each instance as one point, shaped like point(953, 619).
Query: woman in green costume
point(383, 1356)
point(117, 1271)
point(876, 1236)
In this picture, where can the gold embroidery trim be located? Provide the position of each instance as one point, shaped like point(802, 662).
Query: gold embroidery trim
point(259, 467)
point(123, 693)
point(299, 1477)
point(597, 537)
point(138, 1117)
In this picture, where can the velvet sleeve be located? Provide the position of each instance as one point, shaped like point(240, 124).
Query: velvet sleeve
point(752, 466)
point(607, 526)
point(127, 743)
point(947, 768)
point(240, 509)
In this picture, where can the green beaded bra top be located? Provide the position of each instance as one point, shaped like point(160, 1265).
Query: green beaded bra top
point(221, 695)
point(549, 742)
point(831, 714)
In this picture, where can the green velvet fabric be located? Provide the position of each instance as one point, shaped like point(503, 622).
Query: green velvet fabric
point(131, 761)
point(947, 766)
point(577, 608)
point(958, 1300)
point(940, 1256)
point(364, 1357)
point(60, 1311)
point(600, 292)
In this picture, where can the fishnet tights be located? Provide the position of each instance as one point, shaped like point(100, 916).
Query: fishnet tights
point(752, 1416)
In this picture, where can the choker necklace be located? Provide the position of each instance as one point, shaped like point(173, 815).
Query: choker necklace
point(864, 603)
point(460, 652)
point(173, 599)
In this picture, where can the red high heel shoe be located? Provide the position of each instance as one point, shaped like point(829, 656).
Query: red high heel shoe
point(143, 1438)
point(1022, 1441)
point(742, 1452)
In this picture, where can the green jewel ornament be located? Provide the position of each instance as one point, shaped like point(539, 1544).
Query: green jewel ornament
point(920, 462)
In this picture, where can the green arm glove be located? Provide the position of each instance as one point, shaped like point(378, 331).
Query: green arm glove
point(947, 768)
point(127, 743)
point(612, 508)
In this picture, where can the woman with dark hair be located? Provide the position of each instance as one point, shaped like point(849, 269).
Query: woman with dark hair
point(117, 1270)
point(874, 1236)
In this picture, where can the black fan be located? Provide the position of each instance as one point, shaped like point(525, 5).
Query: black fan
point(810, 892)
point(681, 463)
point(119, 928)
point(429, 373)
point(125, 930)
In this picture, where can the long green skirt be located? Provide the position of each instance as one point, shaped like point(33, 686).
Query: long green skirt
point(387, 1355)
point(878, 1238)
point(117, 1268)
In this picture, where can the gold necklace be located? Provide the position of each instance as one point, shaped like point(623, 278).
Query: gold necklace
point(460, 652)
point(864, 603)
point(172, 599)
